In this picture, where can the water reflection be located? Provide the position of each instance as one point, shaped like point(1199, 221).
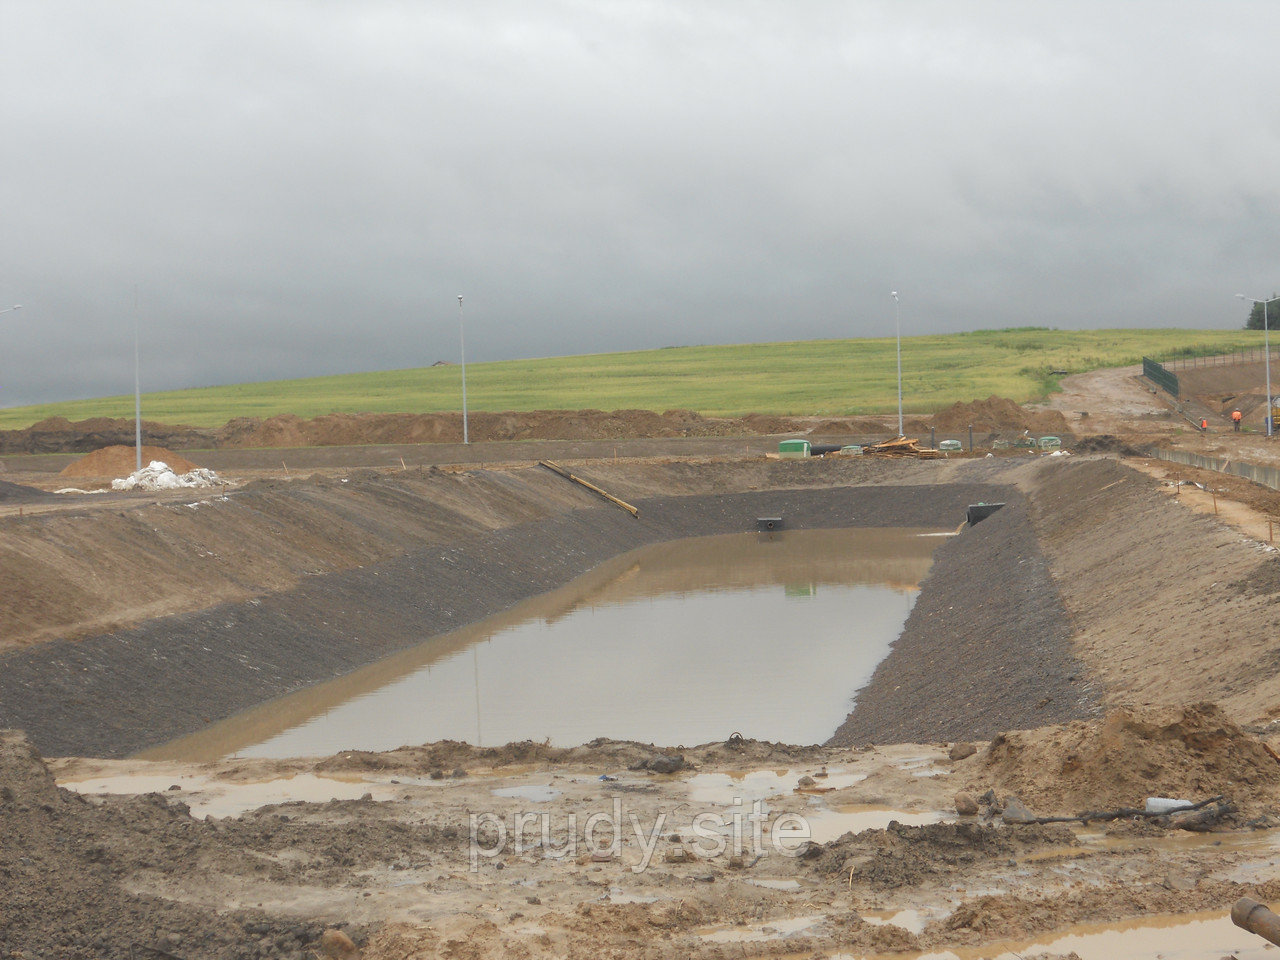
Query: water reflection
point(684, 642)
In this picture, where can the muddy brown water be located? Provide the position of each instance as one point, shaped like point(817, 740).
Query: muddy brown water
point(688, 642)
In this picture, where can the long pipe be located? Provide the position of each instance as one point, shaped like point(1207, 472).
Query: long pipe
point(1252, 916)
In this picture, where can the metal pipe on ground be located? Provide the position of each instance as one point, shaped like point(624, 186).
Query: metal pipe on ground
point(1253, 916)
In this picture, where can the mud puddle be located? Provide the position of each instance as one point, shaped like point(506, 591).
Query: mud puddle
point(208, 797)
point(1208, 936)
point(680, 643)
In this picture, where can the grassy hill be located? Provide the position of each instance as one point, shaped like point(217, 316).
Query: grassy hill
point(823, 377)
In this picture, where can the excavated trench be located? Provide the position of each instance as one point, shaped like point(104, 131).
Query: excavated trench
point(979, 654)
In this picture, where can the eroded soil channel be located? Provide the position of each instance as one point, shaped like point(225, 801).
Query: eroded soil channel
point(684, 642)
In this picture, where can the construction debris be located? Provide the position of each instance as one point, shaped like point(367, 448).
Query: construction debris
point(901, 447)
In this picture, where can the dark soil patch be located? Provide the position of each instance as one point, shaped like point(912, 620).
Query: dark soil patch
point(15, 494)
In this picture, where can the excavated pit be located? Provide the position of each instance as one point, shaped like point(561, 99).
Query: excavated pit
point(1003, 647)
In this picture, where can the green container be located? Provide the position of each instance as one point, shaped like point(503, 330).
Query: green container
point(795, 449)
point(950, 445)
point(1050, 443)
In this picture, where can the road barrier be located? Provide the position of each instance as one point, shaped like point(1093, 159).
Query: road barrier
point(1267, 476)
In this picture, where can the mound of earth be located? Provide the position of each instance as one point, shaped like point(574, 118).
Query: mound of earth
point(57, 435)
point(997, 414)
point(68, 864)
point(60, 435)
point(1191, 752)
point(901, 856)
point(15, 494)
point(120, 461)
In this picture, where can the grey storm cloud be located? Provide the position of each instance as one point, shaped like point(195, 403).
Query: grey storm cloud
point(298, 188)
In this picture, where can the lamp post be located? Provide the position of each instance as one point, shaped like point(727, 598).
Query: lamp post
point(897, 329)
point(16, 306)
point(1266, 348)
point(462, 340)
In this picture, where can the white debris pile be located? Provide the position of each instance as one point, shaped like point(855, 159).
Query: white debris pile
point(158, 475)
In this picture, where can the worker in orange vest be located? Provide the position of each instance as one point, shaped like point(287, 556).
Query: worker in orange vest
point(1204, 425)
point(1236, 417)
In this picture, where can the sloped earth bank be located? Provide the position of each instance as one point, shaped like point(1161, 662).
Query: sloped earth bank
point(1130, 605)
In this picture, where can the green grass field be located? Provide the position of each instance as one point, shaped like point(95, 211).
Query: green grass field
point(822, 377)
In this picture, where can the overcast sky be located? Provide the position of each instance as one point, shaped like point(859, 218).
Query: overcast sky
point(302, 188)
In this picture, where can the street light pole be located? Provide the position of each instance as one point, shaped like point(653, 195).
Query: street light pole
point(462, 339)
point(1266, 348)
point(16, 306)
point(897, 329)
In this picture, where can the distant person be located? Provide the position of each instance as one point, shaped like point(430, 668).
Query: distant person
point(1236, 417)
point(1204, 425)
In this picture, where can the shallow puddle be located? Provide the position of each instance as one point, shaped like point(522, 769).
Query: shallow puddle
point(1203, 936)
point(826, 825)
point(773, 930)
point(208, 797)
point(533, 793)
point(727, 789)
point(681, 643)
point(1206, 936)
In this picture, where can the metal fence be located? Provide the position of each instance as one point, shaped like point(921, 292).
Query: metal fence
point(1157, 373)
point(1248, 355)
point(1267, 476)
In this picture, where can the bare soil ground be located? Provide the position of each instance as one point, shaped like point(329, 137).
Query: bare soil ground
point(1106, 638)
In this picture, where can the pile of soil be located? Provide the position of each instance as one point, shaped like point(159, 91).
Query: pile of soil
point(67, 863)
point(907, 856)
point(120, 461)
point(997, 414)
point(603, 753)
point(1192, 752)
point(60, 435)
point(14, 494)
point(57, 435)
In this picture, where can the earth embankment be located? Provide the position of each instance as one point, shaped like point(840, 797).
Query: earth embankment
point(59, 435)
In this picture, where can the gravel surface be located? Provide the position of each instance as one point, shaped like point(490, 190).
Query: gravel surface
point(979, 654)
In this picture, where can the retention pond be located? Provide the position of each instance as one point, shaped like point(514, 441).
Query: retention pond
point(680, 643)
